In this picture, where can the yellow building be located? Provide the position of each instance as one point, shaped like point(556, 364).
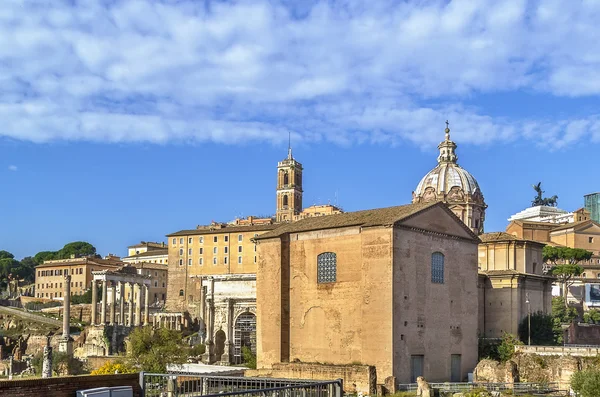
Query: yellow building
point(49, 276)
point(512, 283)
point(392, 287)
point(147, 252)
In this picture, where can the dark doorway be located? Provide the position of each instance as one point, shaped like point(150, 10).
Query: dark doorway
point(219, 345)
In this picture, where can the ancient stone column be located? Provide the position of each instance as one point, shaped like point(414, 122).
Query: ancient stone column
point(10, 367)
point(138, 305)
point(146, 305)
point(47, 361)
point(103, 303)
point(121, 303)
point(67, 306)
point(225, 358)
point(113, 303)
point(130, 319)
point(94, 303)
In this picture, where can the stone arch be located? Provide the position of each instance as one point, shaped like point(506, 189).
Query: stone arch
point(244, 330)
point(219, 344)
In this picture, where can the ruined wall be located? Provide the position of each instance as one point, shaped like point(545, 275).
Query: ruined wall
point(530, 368)
point(583, 334)
point(434, 320)
point(357, 378)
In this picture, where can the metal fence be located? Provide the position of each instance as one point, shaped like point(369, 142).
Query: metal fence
point(193, 385)
point(517, 389)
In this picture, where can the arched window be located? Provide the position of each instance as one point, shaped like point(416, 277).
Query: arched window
point(180, 292)
point(285, 200)
point(286, 178)
point(437, 268)
point(326, 267)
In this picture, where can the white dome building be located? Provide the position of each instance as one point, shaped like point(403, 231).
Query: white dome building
point(450, 183)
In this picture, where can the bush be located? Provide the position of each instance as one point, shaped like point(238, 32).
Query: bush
point(115, 367)
point(586, 383)
point(197, 350)
point(37, 305)
point(62, 364)
point(542, 330)
point(506, 349)
point(249, 357)
point(592, 317)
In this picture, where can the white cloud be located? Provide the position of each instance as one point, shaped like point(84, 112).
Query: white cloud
point(345, 71)
point(12, 168)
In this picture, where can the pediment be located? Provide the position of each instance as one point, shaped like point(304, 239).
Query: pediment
point(439, 220)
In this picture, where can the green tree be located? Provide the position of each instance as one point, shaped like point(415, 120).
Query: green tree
point(565, 264)
point(592, 317)
point(11, 269)
point(6, 255)
point(586, 383)
point(249, 357)
point(542, 329)
point(42, 256)
point(151, 350)
point(77, 249)
point(561, 314)
point(506, 349)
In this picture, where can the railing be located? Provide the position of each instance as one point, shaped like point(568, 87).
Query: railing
point(515, 388)
point(577, 351)
point(193, 385)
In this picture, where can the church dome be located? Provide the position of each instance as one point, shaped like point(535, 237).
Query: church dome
point(446, 176)
point(452, 184)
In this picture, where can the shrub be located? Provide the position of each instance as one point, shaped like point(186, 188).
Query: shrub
point(586, 383)
point(249, 357)
point(115, 367)
point(506, 349)
point(542, 329)
point(197, 350)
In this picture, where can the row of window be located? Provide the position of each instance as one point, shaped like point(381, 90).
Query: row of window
point(215, 239)
point(215, 261)
point(59, 285)
point(59, 272)
point(215, 250)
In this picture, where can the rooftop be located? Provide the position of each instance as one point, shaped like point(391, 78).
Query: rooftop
point(155, 252)
point(224, 229)
point(502, 236)
point(375, 217)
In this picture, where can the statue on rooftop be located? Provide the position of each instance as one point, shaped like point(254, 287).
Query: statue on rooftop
point(540, 200)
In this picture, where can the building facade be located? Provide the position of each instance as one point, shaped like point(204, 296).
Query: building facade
point(147, 252)
point(393, 287)
point(49, 276)
point(450, 183)
point(512, 283)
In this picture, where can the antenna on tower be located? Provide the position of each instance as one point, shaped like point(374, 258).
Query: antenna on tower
point(289, 145)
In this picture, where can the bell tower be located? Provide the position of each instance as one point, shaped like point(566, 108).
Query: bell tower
point(289, 188)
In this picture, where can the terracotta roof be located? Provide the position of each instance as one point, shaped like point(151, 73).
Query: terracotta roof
point(491, 273)
point(150, 265)
point(523, 222)
point(574, 225)
point(80, 261)
point(502, 236)
point(162, 251)
point(375, 217)
point(227, 229)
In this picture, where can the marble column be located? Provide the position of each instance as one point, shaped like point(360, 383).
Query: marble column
point(65, 344)
point(103, 303)
point(225, 358)
point(47, 360)
point(138, 305)
point(146, 305)
point(113, 303)
point(121, 303)
point(94, 303)
point(66, 306)
point(130, 319)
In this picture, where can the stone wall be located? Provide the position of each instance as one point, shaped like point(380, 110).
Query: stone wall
point(95, 362)
point(357, 378)
point(81, 312)
point(530, 368)
point(66, 386)
point(36, 343)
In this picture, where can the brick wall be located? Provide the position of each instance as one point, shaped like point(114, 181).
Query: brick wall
point(66, 386)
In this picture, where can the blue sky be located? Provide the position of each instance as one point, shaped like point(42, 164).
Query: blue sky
point(124, 121)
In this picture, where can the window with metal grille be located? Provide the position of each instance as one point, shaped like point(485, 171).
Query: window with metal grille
point(326, 267)
point(437, 268)
point(244, 335)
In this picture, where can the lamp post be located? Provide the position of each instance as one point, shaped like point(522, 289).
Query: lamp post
point(528, 319)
